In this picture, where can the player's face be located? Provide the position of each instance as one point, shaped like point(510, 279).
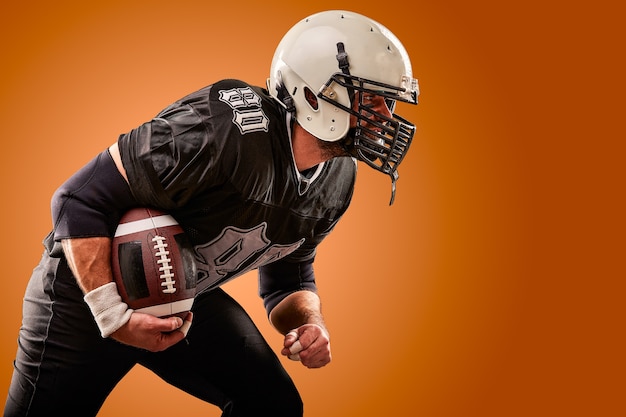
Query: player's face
point(376, 103)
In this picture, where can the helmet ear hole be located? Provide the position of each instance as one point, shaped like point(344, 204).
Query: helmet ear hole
point(311, 98)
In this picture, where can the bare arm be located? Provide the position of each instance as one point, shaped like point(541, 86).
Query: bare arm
point(90, 261)
point(298, 308)
point(299, 317)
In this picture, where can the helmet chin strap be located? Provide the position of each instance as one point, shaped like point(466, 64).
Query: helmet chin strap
point(344, 66)
point(394, 178)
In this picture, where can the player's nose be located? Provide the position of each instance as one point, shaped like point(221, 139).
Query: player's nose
point(379, 105)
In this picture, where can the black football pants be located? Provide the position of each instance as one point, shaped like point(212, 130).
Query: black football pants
point(64, 367)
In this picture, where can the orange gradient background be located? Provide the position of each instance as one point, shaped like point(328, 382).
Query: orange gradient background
point(492, 287)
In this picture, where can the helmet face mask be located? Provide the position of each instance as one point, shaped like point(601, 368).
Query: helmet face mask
point(380, 140)
point(343, 57)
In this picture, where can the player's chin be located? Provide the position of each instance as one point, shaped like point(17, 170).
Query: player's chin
point(333, 149)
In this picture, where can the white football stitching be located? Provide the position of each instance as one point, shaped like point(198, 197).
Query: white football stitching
point(167, 273)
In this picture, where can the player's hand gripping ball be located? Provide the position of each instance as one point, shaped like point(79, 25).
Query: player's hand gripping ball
point(153, 264)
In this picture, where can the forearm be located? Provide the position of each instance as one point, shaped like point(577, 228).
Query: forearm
point(90, 261)
point(297, 309)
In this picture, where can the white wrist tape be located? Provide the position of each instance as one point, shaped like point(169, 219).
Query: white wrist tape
point(108, 309)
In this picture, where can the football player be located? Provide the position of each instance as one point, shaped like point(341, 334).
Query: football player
point(257, 177)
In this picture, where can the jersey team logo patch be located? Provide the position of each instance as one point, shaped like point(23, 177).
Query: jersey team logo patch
point(247, 113)
point(236, 251)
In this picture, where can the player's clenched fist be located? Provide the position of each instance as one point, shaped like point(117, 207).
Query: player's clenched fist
point(309, 344)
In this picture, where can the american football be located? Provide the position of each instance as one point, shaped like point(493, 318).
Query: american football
point(153, 263)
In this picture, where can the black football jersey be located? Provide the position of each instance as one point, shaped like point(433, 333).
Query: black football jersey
point(220, 161)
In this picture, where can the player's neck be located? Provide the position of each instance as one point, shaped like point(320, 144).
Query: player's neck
point(306, 150)
point(309, 151)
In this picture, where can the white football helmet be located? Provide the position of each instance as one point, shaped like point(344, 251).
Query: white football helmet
point(338, 57)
